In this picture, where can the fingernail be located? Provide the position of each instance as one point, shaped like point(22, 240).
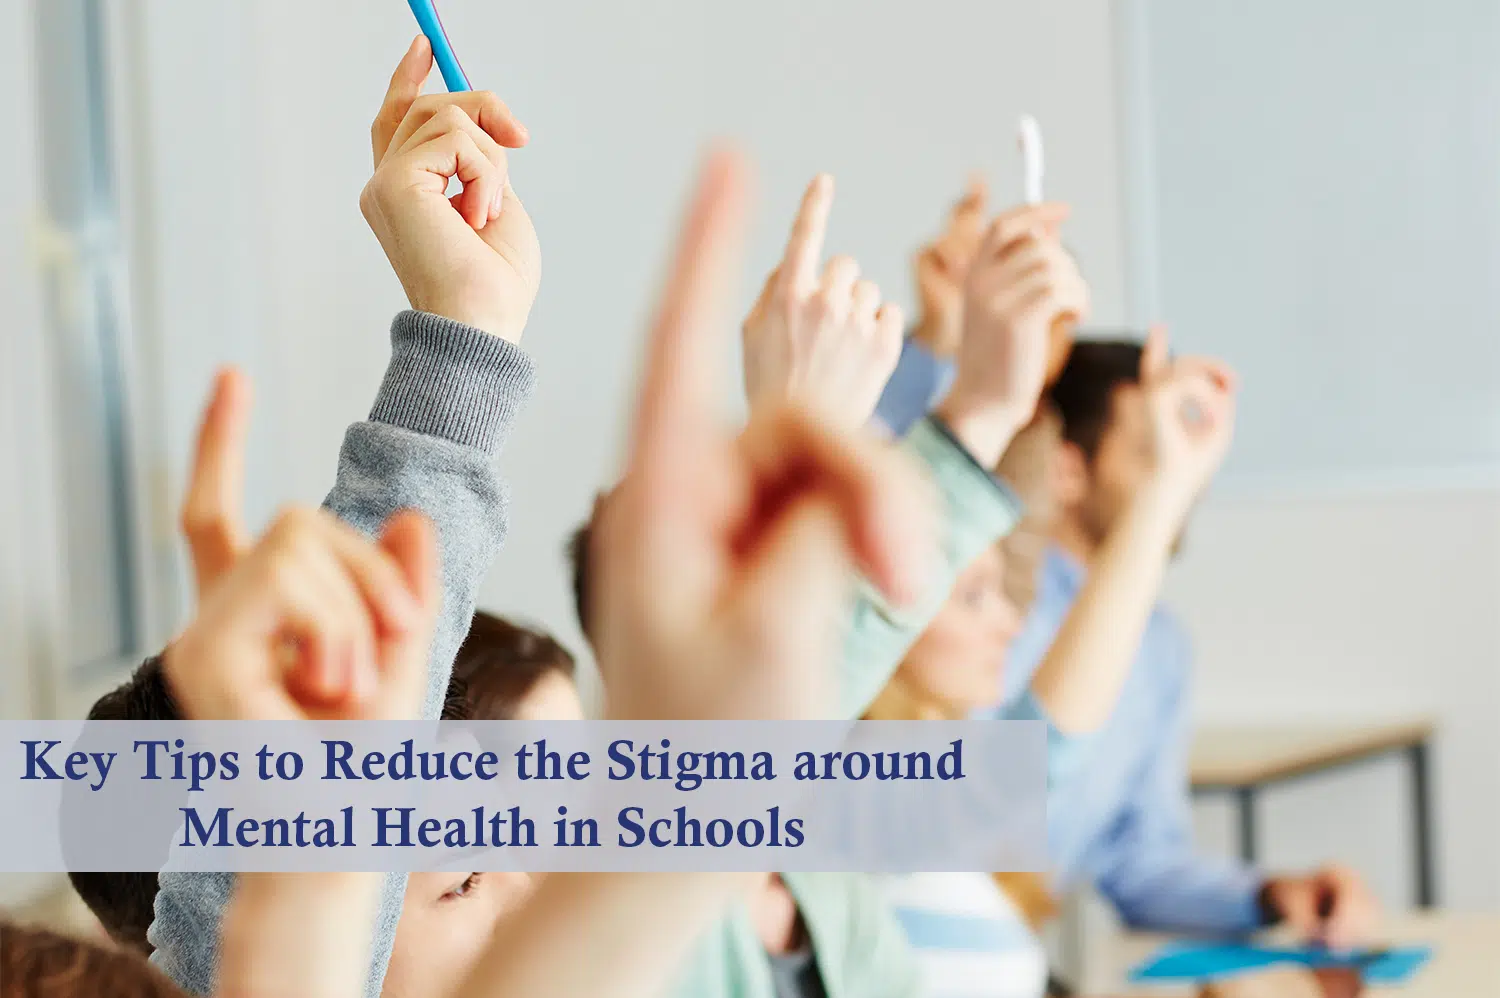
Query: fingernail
point(497, 204)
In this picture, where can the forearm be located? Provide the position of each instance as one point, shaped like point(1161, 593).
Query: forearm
point(306, 934)
point(1190, 894)
point(602, 935)
point(975, 511)
point(444, 410)
point(984, 428)
point(1080, 677)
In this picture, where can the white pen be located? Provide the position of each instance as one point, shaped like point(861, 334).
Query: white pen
point(1032, 166)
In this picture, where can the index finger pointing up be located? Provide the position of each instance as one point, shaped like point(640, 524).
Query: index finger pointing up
point(212, 517)
point(677, 388)
point(804, 250)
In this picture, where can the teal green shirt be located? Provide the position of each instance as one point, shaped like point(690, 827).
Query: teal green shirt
point(860, 948)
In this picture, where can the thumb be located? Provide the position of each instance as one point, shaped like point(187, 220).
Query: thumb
point(411, 542)
point(512, 235)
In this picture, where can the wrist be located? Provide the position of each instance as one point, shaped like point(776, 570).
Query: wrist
point(472, 314)
point(939, 336)
point(1165, 503)
point(984, 429)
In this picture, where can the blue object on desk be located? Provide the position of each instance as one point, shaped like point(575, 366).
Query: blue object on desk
point(1215, 961)
point(454, 77)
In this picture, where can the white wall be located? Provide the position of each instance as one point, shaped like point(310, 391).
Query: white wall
point(17, 284)
point(1309, 607)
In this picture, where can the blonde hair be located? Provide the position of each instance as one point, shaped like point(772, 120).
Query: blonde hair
point(1026, 466)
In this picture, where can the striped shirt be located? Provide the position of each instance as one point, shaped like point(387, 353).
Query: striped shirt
point(970, 939)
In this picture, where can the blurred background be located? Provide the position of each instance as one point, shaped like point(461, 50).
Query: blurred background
point(1306, 189)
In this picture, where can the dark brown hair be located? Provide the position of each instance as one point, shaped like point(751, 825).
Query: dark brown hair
point(578, 566)
point(36, 963)
point(1084, 395)
point(500, 662)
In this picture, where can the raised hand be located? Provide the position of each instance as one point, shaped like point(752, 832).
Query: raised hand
point(824, 342)
point(1192, 406)
point(314, 620)
point(724, 561)
point(1021, 285)
point(942, 267)
point(473, 258)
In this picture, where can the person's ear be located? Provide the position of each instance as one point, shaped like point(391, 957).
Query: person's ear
point(1068, 475)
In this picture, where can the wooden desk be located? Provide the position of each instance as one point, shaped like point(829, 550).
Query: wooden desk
point(1242, 761)
point(1465, 961)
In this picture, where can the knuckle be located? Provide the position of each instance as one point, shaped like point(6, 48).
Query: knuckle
point(292, 524)
point(822, 304)
point(451, 116)
point(844, 265)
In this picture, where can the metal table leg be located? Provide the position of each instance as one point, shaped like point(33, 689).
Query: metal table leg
point(1245, 803)
point(1422, 831)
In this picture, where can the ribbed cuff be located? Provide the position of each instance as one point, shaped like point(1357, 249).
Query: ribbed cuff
point(453, 381)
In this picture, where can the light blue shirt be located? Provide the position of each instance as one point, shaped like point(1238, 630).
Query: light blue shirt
point(916, 384)
point(1123, 820)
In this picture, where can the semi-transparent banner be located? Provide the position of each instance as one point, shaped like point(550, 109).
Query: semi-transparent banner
point(874, 796)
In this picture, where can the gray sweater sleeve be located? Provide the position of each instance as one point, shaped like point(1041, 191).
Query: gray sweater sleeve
point(443, 412)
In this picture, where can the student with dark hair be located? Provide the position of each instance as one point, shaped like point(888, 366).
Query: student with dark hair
point(510, 672)
point(1127, 827)
point(504, 671)
point(124, 902)
point(456, 382)
point(1125, 824)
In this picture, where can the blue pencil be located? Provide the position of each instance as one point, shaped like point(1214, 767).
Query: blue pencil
point(454, 76)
